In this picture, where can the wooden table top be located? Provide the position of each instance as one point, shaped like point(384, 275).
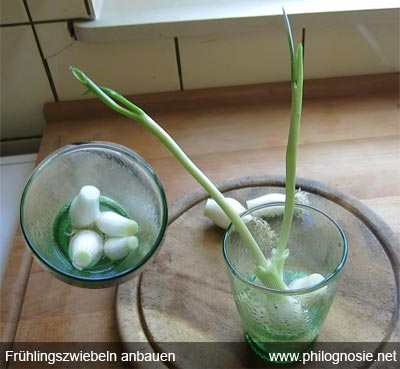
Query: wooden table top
point(350, 139)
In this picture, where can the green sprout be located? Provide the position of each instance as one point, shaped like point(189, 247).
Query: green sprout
point(296, 62)
point(268, 270)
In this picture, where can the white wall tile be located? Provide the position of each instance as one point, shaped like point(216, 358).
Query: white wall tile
point(132, 67)
point(351, 50)
point(57, 9)
point(24, 84)
point(54, 38)
point(235, 59)
point(332, 49)
point(12, 11)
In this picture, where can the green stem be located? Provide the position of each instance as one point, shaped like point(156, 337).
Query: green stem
point(269, 271)
point(130, 110)
point(291, 152)
point(291, 46)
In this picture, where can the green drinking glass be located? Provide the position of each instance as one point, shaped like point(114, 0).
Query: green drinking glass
point(128, 186)
point(286, 320)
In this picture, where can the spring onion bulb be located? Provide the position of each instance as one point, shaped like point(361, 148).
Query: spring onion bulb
point(300, 197)
point(214, 212)
point(98, 233)
point(287, 314)
point(265, 199)
point(118, 248)
point(115, 225)
point(308, 281)
point(85, 207)
point(85, 249)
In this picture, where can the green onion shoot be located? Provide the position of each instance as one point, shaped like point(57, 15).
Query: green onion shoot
point(269, 270)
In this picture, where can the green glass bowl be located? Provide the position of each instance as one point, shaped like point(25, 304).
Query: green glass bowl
point(120, 175)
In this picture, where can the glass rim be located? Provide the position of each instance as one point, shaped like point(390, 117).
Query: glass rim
point(290, 292)
point(74, 147)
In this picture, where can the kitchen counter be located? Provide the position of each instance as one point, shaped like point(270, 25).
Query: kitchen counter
point(14, 171)
point(350, 139)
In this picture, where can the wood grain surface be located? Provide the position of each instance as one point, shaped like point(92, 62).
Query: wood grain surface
point(184, 296)
point(348, 140)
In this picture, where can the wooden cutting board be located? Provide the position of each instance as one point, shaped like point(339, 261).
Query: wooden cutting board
point(184, 295)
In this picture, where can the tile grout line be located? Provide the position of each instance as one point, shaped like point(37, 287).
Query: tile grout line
point(178, 63)
point(20, 138)
point(49, 21)
point(19, 163)
point(88, 8)
point(44, 61)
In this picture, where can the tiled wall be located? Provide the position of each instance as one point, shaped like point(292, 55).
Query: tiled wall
point(37, 48)
point(354, 43)
point(26, 81)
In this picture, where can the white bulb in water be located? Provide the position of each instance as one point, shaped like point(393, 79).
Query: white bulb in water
point(115, 225)
point(85, 207)
point(118, 248)
point(85, 249)
point(308, 281)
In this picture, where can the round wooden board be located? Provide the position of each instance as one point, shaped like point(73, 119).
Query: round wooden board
point(184, 295)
